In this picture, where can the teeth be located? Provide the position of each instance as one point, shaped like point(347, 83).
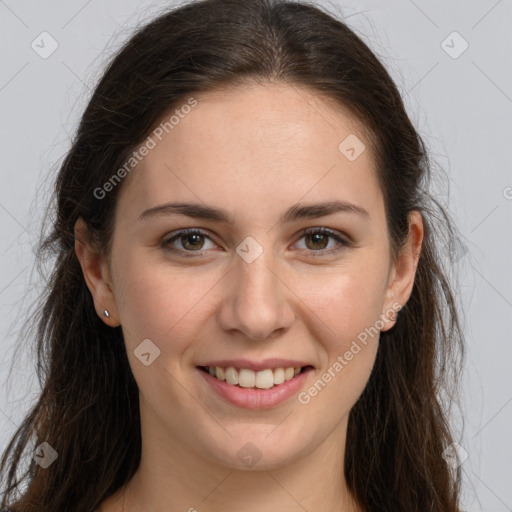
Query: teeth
point(245, 378)
point(278, 376)
point(231, 376)
point(219, 373)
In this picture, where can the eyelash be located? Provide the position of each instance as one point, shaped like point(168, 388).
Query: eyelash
point(194, 231)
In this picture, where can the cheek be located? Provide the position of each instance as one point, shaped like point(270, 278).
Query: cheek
point(161, 302)
point(344, 306)
point(346, 300)
point(350, 341)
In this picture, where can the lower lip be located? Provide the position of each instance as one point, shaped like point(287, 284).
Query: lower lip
point(253, 398)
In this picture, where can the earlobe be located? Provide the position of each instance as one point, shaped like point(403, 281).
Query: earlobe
point(96, 274)
point(404, 271)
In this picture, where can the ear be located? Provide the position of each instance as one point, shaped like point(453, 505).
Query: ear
point(403, 272)
point(96, 274)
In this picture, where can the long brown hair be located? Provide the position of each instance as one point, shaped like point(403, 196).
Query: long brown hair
point(88, 410)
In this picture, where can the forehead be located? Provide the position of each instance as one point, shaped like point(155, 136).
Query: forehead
point(252, 148)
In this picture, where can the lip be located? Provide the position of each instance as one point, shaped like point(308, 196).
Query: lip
point(252, 398)
point(271, 363)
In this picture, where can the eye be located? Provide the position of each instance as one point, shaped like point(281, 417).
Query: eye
point(319, 240)
point(191, 240)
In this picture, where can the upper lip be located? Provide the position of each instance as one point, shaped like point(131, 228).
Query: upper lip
point(257, 365)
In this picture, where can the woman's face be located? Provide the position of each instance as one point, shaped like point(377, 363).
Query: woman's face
point(256, 287)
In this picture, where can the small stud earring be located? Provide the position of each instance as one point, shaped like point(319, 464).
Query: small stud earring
point(105, 313)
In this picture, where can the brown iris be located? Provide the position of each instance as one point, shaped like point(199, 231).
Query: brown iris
point(318, 239)
point(195, 237)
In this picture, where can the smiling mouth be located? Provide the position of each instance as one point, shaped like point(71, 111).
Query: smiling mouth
point(246, 378)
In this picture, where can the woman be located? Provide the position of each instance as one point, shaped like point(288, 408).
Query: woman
point(241, 216)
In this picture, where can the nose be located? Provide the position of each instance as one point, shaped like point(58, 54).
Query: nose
point(257, 301)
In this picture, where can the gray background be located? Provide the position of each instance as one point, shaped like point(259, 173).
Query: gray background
point(461, 106)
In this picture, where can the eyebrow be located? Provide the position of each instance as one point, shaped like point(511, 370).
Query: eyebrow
point(296, 212)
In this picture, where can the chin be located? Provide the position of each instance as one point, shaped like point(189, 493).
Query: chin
point(258, 452)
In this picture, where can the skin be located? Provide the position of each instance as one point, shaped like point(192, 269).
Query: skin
point(255, 151)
